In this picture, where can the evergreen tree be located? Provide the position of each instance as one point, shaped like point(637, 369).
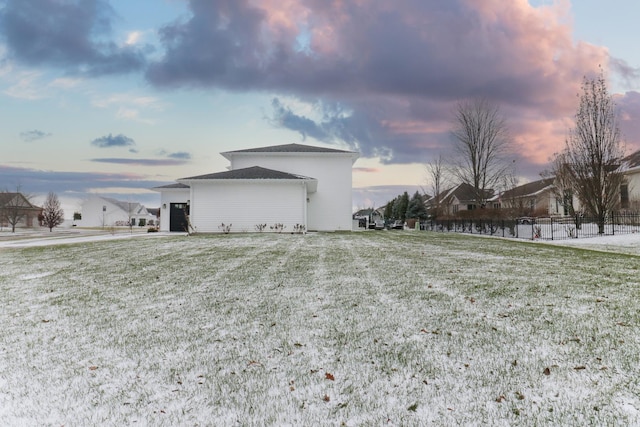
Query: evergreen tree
point(403, 204)
point(416, 208)
point(388, 209)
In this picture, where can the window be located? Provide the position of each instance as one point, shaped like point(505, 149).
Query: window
point(624, 196)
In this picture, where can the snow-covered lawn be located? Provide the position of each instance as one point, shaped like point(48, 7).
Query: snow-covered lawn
point(371, 328)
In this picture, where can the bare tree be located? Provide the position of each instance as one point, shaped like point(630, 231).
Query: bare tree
point(482, 145)
point(435, 175)
point(562, 182)
point(52, 213)
point(594, 151)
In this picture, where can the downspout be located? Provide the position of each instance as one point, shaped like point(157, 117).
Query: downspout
point(304, 205)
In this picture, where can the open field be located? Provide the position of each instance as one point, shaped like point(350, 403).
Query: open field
point(375, 328)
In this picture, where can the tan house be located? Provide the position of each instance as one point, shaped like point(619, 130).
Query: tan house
point(458, 199)
point(16, 211)
point(537, 198)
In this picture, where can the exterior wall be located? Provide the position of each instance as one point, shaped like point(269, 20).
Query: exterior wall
point(168, 196)
point(330, 207)
point(93, 215)
point(246, 204)
point(633, 182)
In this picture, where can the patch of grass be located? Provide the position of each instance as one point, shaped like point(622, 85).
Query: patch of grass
point(317, 329)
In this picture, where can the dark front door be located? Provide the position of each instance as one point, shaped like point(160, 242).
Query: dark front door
point(178, 217)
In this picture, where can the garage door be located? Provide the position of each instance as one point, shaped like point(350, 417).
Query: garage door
point(178, 217)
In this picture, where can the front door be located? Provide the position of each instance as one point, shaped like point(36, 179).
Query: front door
point(178, 217)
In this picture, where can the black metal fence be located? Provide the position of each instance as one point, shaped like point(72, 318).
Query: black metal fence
point(540, 228)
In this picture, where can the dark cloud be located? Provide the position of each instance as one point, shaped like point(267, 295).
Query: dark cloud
point(113, 141)
point(394, 71)
point(180, 155)
point(382, 76)
point(71, 35)
point(39, 181)
point(141, 162)
point(33, 135)
point(630, 75)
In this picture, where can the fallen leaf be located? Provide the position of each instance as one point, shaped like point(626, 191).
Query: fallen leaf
point(93, 368)
point(326, 398)
point(579, 368)
point(329, 376)
point(547, 371)
point(519, 395)
point(500, 398)
point(413, 407)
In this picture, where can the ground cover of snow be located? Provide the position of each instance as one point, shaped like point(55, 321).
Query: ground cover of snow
point(371, 328)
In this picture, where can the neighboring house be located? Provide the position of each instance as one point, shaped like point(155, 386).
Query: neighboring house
point(537, 198)
point(292, 184)
point(107, 212)
point(370, 218)
point(16, 209)
point(630, 189)
point(460, 198)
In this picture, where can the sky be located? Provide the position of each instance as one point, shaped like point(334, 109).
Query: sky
point(117, 97)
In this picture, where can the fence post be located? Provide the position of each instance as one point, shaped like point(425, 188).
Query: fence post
point(613, 224)
point(533, 231)
point(551, 227)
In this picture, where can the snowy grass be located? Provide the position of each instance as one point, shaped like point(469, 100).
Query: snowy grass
point(372, 328)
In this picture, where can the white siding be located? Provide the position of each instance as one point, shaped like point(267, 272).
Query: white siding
point(633, 181)
point(94, 216)
point(330, 207)
point(167, 197)
point(246, 204)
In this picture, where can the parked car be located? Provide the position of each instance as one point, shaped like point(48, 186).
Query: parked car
point(379, 224)
point(397, 225)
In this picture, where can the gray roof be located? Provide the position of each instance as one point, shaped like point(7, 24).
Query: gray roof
point(528, 189)
point(290, 148)
point(177, 185)
point(254, 172)
point(132, 207)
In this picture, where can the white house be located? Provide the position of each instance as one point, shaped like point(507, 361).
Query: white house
point(292, 184)
point(107, 212)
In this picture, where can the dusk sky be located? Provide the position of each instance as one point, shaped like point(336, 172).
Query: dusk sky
point(116, 97)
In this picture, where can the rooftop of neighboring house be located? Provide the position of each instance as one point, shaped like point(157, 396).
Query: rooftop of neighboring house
point(463, 192)
point(528, 189)
point(632, 160)
point(133, 207)
point(6, 198)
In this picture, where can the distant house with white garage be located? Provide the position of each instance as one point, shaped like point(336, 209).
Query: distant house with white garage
point(100, 211)
point(292, 184)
